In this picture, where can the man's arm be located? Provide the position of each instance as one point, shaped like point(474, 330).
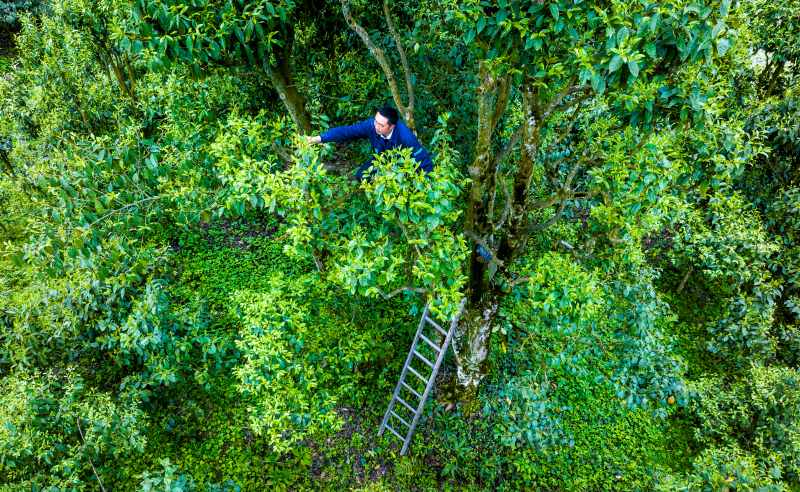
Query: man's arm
point(418, 152)
point(344, 133)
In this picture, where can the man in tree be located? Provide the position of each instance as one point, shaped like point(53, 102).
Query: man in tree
point(384, 132)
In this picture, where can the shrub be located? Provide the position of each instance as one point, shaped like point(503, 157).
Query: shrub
point(759, 414)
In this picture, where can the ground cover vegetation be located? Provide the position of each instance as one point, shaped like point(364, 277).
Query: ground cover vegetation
point(192, 297)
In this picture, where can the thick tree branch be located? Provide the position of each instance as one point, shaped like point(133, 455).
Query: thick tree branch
point(501, 102)
point(506, 210)
point(281, 78)
point(566, 90)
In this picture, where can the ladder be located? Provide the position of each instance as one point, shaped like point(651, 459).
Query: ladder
point(427, 350)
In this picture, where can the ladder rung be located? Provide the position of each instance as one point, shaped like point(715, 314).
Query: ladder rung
point(435, 347)
point(417, 374)
point(411, 390)
point(401, 419)
point(406, 404)
point(423, 359)
point(394, 432)
point(435, 325)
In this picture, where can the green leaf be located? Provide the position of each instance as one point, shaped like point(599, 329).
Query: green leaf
point(723, 45)
point(481, 24)
point(633, 66)
point(501, 16)
point(616, 62)
point(554, 10)
point(598, 83)
point(469, 36)
point(724, 8)
point(654, 22)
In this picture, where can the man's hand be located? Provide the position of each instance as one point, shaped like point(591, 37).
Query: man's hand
point(313, 140)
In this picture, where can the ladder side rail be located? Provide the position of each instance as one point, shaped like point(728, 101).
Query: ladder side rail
point(432, 380)
point(404, 371)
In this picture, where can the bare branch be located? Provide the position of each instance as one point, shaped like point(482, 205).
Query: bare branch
point(685, 278)
point(518, 281)
point(380, 57)
point(406, 70)
point(560, 197)
point(568, 89)
point(507, 210)
point(393, 293)
point(552, 220)
point(125, 207)
point(571, 124)
point(80, 431)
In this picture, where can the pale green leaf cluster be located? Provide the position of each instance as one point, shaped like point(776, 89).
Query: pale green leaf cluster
point(297, 360)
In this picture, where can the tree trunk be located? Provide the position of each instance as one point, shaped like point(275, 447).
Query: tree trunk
point(472, 342)
point(295, 103)
point(475, 327)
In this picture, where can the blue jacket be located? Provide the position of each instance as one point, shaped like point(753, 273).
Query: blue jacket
point(402, 136)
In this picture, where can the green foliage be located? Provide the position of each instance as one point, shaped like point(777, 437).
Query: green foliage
point(171, 480)
point(775, 29)
point(724, 469)
point(11, 11)
point(190, 294)
point(58, 432)
point(292, 345)
point(206, 32)
point(730, 252)
point(759, 414)
point(396, 237)
point(615, 334)
point(614, 47)
point(528, 415)
point(423, 207)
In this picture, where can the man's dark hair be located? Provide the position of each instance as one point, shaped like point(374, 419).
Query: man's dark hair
point(390, 113)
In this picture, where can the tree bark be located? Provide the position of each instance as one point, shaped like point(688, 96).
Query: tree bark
point(295, 103)
point(474, 332)
point(472, 343)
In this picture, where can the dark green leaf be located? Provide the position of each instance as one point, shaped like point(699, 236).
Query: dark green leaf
point(634, 68)
point(469, 36)
point(616, 62)
point(554, 10)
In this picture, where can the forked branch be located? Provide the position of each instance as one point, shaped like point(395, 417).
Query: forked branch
point(380, 56)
